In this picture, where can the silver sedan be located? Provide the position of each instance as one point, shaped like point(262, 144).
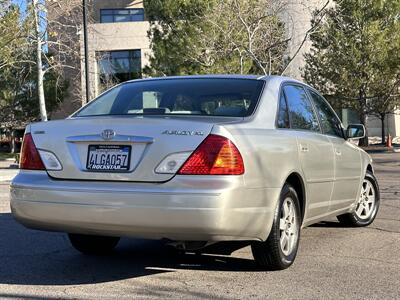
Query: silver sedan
point(196, 160)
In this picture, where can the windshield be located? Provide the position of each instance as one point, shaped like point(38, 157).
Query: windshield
point(208, 96)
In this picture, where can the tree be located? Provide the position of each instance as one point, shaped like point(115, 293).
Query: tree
point(354, 57)
point(19, 93)
point(39, 61)
point(386, 103)
point(12, 34)
point(55, 40)
point(19, 96)
point(18, 38)
point(216, 36)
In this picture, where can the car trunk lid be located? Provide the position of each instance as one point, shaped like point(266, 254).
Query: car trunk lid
point(150, 140)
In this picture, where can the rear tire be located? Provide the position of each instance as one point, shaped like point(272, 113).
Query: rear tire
point(92, 244)
point(367, 205)
point(279, 251)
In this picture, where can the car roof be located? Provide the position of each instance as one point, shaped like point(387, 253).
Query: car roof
point(217, 76)
point(221, 76)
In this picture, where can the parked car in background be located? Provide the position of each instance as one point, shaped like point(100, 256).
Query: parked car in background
point(196, 160)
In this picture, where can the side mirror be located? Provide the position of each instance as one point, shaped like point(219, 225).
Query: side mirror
point(355, 131)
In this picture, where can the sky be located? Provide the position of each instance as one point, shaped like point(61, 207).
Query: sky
point(21, 3)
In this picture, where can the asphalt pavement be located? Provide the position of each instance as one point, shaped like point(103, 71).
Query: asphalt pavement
point(333, 262)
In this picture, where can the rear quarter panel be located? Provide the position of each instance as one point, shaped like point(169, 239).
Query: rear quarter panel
point(269, 156)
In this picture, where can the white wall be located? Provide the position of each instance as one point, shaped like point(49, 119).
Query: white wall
point(392, 125)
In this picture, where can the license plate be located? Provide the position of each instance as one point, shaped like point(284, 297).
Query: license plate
point(108, 158)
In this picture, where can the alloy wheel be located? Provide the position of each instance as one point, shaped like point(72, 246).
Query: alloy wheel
point(367, 200)
point(288, 227)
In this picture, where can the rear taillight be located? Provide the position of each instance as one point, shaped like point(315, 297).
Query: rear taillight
point(30, 157)
point(216, 155)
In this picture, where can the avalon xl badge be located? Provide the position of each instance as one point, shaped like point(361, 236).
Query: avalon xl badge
point(182, 132)
point(108, 134)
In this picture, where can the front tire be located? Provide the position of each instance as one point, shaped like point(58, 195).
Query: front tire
point(367, 205)
point(92, 244)
point(279, 251)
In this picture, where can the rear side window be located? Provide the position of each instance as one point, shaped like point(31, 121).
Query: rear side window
point(283, 114)
point(301, 112)
point(186, 96)
point(329, 122)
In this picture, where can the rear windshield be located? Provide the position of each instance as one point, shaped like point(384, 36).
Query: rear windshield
point(209, 97)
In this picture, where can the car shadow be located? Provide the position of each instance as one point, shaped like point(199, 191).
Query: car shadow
point(29, 257)
point(329, 224)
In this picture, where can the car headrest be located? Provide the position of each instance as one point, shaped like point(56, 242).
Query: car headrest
point(230, 111)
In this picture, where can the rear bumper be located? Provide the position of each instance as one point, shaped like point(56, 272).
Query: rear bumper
point(206, 208)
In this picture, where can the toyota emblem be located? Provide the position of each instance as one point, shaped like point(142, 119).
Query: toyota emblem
point(108, 134)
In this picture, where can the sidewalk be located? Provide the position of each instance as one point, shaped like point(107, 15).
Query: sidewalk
point(8, 170)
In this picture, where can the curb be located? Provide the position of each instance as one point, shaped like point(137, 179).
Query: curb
point(383, 151)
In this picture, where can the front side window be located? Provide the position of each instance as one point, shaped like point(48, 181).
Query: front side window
point(329, 122)
point(188, 96)
point(121, 15)
point(301, 112)
point(118, 66)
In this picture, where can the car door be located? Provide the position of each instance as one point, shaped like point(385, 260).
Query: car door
point(315, 151)
point(347, 156)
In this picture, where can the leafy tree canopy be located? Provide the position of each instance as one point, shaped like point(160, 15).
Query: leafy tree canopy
point(355, 55)
point(215, 36)
point(12, 33)
point(19, 96)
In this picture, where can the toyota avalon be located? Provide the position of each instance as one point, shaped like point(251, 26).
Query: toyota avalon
point(196, 160)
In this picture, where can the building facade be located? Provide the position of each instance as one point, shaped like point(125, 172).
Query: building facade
point(118, 44)
point(119, 48)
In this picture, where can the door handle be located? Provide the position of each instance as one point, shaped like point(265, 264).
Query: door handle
point(338, 152)
point(303, 148)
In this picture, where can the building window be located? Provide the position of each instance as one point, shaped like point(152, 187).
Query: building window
point(118, 66)
point(121, 15)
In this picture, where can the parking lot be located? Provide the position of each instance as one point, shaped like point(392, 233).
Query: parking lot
point(333, 262)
